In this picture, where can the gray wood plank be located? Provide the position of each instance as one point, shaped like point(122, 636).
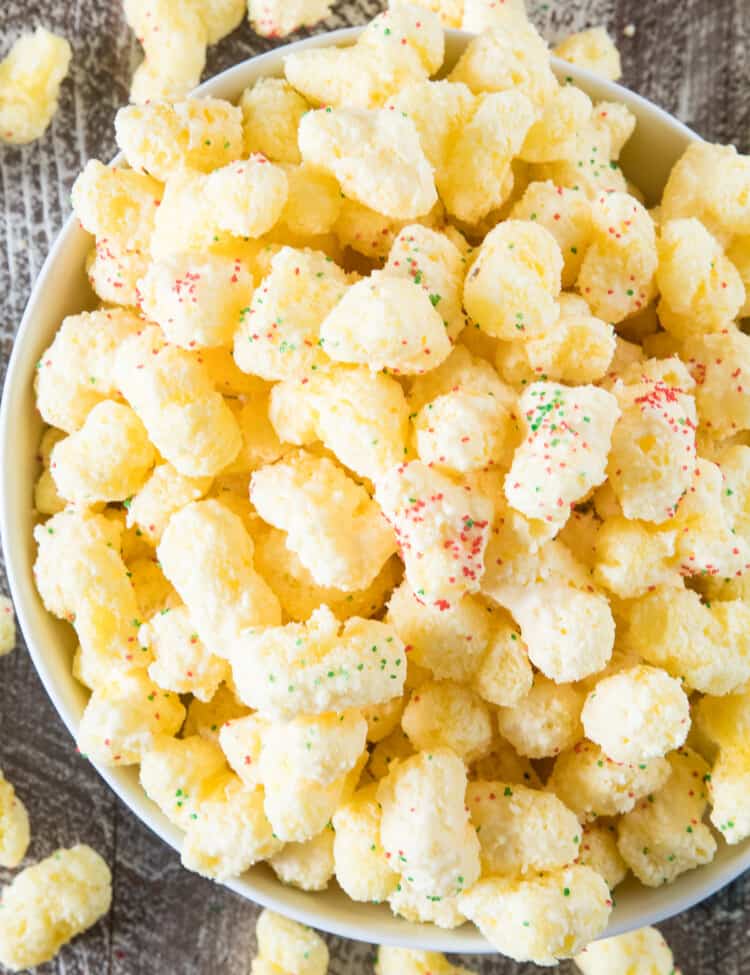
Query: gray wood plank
point(693, 59)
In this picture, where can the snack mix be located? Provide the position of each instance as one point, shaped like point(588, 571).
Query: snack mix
point(398, 489)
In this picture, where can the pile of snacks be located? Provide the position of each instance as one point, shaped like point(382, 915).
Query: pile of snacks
point(397, 491)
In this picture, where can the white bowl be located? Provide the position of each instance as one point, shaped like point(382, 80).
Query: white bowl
point(62, 289)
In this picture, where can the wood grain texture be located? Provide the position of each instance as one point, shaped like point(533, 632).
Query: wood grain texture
point(692, 58)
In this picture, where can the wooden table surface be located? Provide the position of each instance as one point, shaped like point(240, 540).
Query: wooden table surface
point(690, 56)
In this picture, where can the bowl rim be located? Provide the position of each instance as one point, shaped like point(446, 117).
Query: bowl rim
point(273, 894)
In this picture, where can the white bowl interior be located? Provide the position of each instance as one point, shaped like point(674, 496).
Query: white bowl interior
point(62, 289)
